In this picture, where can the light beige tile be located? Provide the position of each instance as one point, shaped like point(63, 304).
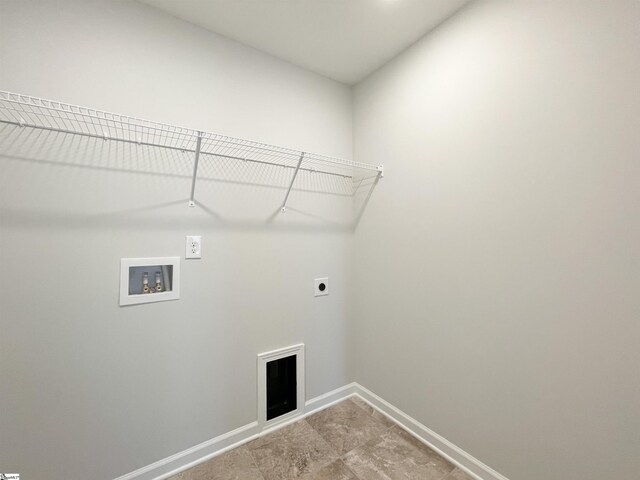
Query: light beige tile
point(293, 452)
point(345, 426)
point(235, 464)
point(396, 455)
point(335, 471)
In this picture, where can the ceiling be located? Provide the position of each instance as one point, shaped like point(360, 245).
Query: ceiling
point(342, 39)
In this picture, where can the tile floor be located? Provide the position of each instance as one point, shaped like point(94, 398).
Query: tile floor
point(348, 441)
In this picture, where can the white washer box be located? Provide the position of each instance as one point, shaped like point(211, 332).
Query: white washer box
point(131, 279)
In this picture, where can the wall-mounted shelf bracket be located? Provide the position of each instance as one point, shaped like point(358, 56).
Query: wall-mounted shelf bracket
point(192, 202)
point(293, 179)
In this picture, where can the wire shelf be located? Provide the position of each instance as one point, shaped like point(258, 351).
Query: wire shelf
point(39, 113)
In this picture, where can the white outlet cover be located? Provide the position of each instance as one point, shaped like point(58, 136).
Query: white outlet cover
point(193, 246)
point(321, 287)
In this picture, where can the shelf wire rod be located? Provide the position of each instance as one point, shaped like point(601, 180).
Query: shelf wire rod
point(90, 123)
point(138, 141)
point(273, 164)
point(355, 190)
point(192, 202)
point(230, 142)
point(93, 135)
point(75, 119)
point(271, 150)
point(293, 179)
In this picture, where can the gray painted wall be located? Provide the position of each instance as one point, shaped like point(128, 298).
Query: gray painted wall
point(498, 263)
point(89, 390)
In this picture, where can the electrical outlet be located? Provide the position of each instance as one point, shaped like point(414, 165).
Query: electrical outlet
point(193, 247)
point(321, 286)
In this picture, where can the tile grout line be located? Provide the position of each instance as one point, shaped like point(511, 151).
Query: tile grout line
point(340, 457)
point(352, 472)
point(254, 461)
point(399, 427)
point(335, 456)
point(390, 427)
point(335, 451)
point(330, 448)
point(393, 424)
point(325, 441)
point(450, 474)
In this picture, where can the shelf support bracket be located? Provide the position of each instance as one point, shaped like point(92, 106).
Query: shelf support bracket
point(192, 202)
point(293, 179)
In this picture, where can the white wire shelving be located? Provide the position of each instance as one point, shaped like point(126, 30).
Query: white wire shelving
point(27, 111)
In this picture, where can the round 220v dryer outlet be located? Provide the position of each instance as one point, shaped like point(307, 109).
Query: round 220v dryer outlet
point(321, 287)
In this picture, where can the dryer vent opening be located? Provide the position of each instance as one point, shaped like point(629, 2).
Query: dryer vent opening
point(281, 387)
point(281, 394)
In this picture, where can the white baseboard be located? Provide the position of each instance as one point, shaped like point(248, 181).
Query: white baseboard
point(326, 400)
point(193, 456)
point(444, 447)
point(174, 464)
